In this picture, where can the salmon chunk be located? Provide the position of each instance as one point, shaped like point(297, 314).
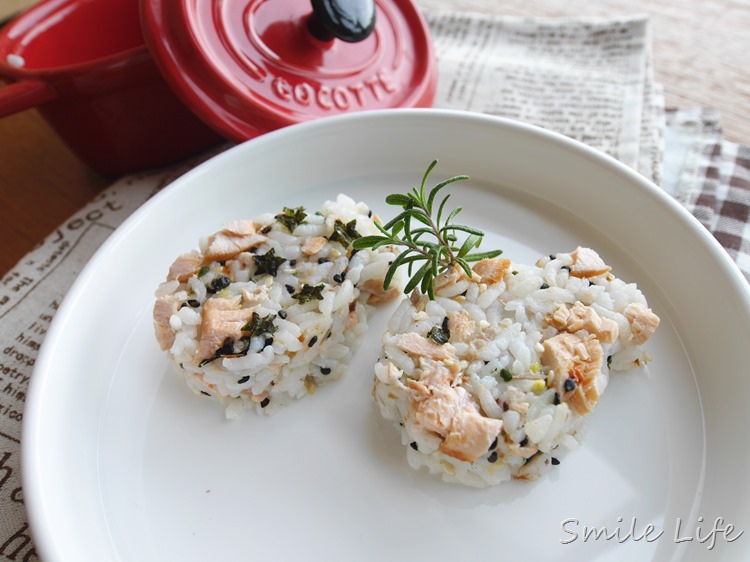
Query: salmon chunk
point(419, 346)
point(491, 270)
point(224, 245)
point(222, 319)
point(576, 361)
point(643, 322)
point(164, 308)
point(185, 267)
point(313, 245)
point(587, 263)
point(452, 413)
point(582, 317)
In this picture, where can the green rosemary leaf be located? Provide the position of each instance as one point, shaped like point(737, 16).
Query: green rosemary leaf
point(423, 218)
point(417, 278)
point(427, 173)
point(453, 214)
point(440, 210)
point(483, 255)
point(462, 228)
point(402, 258)
point(398, 199)
point(469, 244)
point(431, 247)
point(464, 266)
point(438, 187)
point(369, 241)
point(424, 285)
point(398, 218)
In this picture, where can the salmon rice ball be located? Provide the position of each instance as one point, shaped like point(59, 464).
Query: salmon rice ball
point(492, 379)
point(270, 308)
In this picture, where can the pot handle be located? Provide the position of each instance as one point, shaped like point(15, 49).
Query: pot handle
point(24, 94)
point(349, 20)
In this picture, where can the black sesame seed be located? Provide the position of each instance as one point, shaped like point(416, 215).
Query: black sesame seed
point(269, 341)
point(493, 444)
point(282, 314)
point(292, 263)
point(204, 393)
point(444, 326)
point(323, 260)
point(221, 282)
point(524, 442)
point(266, 229)
point(369, 214)
point(555, 461)
point(492, 457)
point(569, 385)
point(312, 341)
point(289, 289)
point(556, 400)
point(338, 278)
point(265, 402)
point(243, 380)
point(413, 445)
point(325, 371)
point(193, 303)
point(609, 362)
point(552, 256)
point(544, 286)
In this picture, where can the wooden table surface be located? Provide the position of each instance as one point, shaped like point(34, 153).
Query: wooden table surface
point(700, 51)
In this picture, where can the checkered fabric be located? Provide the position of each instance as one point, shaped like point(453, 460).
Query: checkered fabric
point(714, 183)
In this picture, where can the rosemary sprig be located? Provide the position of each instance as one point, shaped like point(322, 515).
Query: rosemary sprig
point(433, 245)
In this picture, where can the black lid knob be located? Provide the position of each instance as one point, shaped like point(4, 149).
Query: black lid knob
point(348, 20)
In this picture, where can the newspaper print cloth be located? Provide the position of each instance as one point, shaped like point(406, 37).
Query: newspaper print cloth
point(603, 96)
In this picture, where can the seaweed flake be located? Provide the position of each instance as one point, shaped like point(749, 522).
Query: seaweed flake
point(345, 233)
point(309, 292)
point(268, 263)
point(291, 218)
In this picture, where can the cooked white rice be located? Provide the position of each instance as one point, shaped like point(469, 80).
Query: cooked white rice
point(529, 350)
point(260, 316)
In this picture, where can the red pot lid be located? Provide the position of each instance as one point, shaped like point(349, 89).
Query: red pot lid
point(250, 66)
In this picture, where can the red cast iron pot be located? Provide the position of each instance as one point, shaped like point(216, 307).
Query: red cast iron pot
point(85, 65)
point(96, 69)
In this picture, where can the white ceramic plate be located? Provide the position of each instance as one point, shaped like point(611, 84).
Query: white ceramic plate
point(122, 462)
